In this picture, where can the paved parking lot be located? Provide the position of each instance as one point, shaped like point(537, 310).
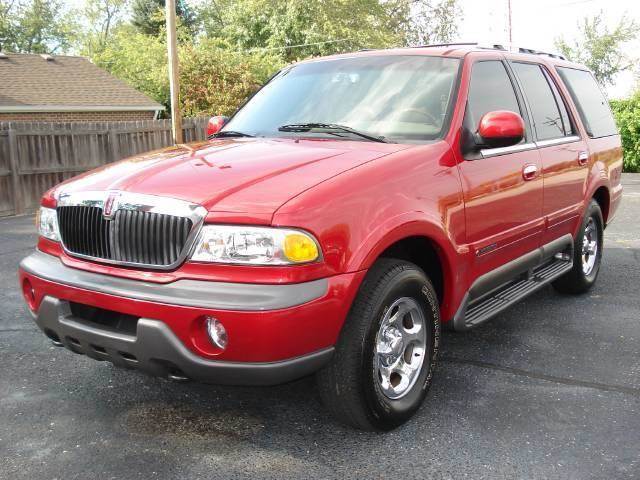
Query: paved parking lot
point(549, 389)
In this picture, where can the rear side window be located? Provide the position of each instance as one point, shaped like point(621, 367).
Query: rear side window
point(550, 118)
point(490, 89)
point(591, 103)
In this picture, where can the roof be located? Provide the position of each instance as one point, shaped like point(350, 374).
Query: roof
point(43, 83)
point(460, 50)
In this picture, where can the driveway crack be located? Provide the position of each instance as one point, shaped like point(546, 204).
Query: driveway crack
point(549, 378)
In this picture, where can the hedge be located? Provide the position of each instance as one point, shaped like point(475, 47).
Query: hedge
point(627, 114)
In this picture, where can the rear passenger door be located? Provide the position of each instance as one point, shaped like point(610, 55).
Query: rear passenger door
point(563, 154)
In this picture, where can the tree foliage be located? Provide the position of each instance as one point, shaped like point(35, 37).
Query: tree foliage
point(100, 17)
point(214, 79)
point(627, 114)
point(299, 28)
point(227, 48)
point(36, 26)
point(600, 48)
point(243, 42)
point(148, 16)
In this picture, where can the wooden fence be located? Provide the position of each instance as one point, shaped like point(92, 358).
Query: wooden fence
point(35, 156)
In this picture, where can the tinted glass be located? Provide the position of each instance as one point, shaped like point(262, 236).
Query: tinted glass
point(592, 105)
point(547, 120)
point(564, 112)
point(490, 89)
point(402, 98)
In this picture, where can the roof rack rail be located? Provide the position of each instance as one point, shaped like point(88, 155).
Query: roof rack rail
point(491, 46)
point(494, 46)
point(538, 52)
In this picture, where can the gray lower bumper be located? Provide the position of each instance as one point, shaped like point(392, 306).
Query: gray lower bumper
point(154, 349)
point(189, 293)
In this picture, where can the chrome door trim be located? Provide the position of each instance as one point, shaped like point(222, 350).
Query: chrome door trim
point(494, 152)
point(557, 141)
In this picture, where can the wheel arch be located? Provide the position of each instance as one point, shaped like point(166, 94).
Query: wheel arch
point(602, 196)
point(425, 244)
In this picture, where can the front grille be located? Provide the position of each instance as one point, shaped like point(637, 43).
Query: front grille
point(131, 236)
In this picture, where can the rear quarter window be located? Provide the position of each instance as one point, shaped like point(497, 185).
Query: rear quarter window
point(592, 105)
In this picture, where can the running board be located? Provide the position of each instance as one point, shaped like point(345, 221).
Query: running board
point(553, 261)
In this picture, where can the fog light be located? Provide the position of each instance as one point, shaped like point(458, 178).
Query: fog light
point(217, 333)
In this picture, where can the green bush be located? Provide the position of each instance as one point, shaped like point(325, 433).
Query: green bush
point(627, 114)
point(214, 77)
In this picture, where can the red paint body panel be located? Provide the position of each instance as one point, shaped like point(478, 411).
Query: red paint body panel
point(357, 198)
point(265, 336)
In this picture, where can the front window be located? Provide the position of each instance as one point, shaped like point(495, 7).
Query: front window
point(394, 98)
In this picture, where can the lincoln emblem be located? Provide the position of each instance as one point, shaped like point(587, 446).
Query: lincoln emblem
point(110, 205)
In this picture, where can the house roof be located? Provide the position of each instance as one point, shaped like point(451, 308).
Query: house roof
point(43, 83)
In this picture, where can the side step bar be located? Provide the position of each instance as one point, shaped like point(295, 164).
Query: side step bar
point(497, 290)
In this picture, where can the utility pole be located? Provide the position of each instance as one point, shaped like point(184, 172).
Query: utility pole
point(174, 80)
point(510, 35)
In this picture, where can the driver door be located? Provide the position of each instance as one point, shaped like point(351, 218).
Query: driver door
point(502, 187)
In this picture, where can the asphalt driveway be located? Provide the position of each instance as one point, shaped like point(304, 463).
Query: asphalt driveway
point(548, 389)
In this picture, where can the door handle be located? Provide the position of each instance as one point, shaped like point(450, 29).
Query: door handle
point(529, 172)
point(583, 158)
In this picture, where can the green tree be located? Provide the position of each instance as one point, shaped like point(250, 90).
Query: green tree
point(600, 48)
point(148, 16)
point(8, 25)
point(299, 28)
point(43, 27)
point(627, 114)
point(214, 79)
point(431, 21)
point(100, 18)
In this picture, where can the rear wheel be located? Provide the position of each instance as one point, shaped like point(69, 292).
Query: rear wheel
point(587, 254)
point(386, 353)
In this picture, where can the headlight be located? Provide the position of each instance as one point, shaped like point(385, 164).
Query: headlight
point(254, 245)
point(47, 222)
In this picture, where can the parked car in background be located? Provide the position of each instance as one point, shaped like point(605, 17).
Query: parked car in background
point(353, 206)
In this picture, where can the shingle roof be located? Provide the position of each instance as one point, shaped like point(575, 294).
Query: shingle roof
point(64, 82)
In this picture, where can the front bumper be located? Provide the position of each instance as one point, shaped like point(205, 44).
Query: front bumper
point(156, 350)
point(276, 333)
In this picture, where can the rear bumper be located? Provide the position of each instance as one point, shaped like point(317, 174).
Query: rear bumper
point(276, 332)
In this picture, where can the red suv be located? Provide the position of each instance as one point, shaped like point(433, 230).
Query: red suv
point(345, 212)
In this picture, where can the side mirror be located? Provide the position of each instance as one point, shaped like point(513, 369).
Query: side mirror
point(501, 128)
point(215, 125)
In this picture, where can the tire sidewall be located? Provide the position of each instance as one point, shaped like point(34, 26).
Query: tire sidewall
point(593, 211)
point(388, 413)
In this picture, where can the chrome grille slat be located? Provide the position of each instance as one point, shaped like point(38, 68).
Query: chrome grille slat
point(130, 237)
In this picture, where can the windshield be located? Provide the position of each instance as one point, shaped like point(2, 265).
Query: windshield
point(398, 98)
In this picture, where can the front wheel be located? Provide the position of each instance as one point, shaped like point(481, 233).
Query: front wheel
point(387, 351)
point(587, 254)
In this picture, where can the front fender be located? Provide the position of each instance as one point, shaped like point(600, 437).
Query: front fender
point(416, 224)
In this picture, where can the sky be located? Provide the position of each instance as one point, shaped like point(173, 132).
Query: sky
point(536, 24)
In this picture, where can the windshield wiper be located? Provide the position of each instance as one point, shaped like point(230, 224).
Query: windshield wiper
point(305, 127)
point(231, 133)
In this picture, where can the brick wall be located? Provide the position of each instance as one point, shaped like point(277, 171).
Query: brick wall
point(77, 116)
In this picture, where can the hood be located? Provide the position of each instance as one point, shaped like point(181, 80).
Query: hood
point(232, 175)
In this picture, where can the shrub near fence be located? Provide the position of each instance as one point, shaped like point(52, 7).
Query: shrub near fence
point(34, 156)
point(627, 113)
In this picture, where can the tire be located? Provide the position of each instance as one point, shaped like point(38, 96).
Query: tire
point(586, 265)
point(361, 386)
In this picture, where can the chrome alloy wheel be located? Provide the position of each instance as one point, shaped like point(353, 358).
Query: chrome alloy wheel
point(400, 348)
point(589, 247)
